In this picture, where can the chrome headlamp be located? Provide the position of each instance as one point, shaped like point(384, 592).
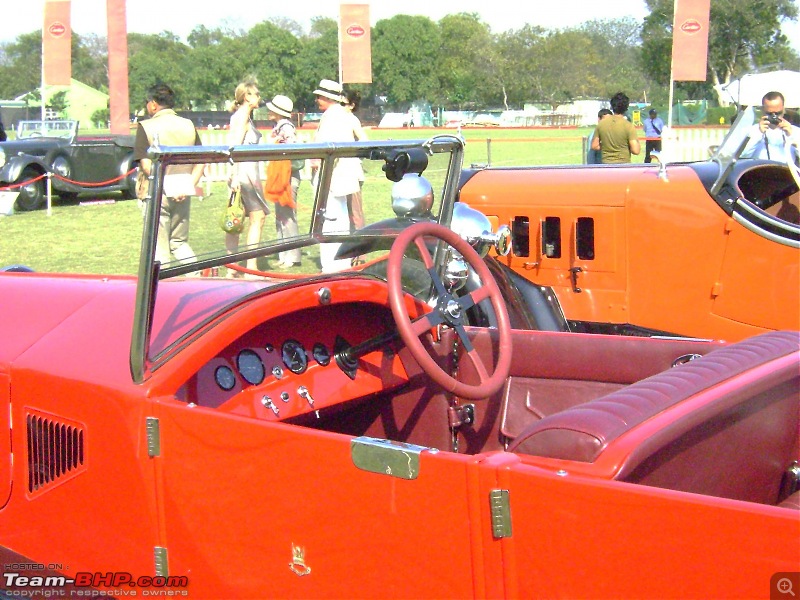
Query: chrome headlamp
point(474, 227)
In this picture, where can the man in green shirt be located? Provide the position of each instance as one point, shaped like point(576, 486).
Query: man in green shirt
point(615, 136)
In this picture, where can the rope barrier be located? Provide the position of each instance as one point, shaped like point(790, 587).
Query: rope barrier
point(96, 184)
point(14, 186)
point(21, 184)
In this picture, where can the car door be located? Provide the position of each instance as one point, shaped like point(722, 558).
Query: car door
point(94, 161)
point(577, 537)
point(267, 509)
point(759, 280)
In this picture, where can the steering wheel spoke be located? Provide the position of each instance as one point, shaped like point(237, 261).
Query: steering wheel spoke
point(426, 322)
point(449, 311)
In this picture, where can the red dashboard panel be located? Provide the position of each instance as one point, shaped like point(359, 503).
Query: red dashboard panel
point(286, 367)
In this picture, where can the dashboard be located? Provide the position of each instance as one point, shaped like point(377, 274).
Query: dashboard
point(287, 366)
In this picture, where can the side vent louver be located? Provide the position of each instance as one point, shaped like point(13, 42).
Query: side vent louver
point(55, 451)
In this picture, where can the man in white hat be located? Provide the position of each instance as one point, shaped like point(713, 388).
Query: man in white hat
point(280, 111)
point(335, 126)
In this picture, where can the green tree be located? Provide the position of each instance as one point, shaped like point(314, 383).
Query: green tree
point(405, 51)
point(614, 63)
point(465, 64)
point(318, 59)
point(153, 59)
point(518, 54)
point(743, 35)
point(22, 65)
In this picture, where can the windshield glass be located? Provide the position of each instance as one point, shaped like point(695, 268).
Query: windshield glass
point(318, 213)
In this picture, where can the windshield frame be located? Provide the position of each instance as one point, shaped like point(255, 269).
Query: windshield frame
point(732, 146)
point(151, 272)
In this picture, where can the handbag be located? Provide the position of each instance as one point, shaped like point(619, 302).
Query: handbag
point(233, 216)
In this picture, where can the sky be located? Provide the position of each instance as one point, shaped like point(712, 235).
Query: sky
point(181, 16)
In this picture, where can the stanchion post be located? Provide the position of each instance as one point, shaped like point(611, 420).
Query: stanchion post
point(489, 152)
point(49, 193)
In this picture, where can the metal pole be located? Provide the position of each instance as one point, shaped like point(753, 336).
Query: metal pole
point(49, 194)
point(489, 152)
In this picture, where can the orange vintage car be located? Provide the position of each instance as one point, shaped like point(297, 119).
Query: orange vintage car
point(707, 249)
point(340, 431)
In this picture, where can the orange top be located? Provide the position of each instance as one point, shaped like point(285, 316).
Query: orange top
point(278, 186)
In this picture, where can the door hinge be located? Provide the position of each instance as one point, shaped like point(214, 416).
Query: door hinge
point(500, 505)
point(160, 560)
point(153, 437)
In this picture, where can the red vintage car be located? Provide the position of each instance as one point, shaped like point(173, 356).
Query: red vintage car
point(384, 430)
point(708, 249)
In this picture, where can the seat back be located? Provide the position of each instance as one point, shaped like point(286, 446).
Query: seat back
point(725, 424)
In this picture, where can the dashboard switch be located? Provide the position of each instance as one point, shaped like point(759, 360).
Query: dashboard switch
point(268, 403)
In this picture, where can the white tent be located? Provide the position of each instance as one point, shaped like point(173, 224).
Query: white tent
point(749, 90)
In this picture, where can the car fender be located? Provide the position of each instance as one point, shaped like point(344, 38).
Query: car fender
point(14, 166)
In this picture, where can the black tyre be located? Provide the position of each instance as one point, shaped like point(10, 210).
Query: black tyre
point(31, 195)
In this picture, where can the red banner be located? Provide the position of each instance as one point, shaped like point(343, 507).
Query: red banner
point(690, 40)
point(355, 46)
point(56, 43)
point(118, 67)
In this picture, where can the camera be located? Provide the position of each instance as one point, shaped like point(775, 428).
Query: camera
point(773, 118)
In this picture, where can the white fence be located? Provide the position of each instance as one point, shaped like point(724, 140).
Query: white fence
point(682, 144)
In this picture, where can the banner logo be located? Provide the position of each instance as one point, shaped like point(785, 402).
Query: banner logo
point(691, 26)
point(355, 31)
point(57, 29)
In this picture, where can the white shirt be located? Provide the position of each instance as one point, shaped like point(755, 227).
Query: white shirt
point(336, 125)
point(770, 145)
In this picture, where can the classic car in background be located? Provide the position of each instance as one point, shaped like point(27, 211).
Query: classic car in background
point(349, 431)
point(80, 164)
point(708, 249)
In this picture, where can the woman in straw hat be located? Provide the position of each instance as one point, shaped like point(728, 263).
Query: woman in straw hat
point(336, 125)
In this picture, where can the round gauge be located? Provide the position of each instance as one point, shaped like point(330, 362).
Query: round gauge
point(250, 367)
point(294, 356)
point(225, 378)
point(321, 354)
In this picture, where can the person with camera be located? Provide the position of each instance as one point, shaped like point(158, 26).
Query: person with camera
point(773, 132)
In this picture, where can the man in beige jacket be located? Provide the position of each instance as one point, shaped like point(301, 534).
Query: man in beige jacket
point(166, 128)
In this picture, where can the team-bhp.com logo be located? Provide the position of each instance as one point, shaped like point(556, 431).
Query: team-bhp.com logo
point(89, 584)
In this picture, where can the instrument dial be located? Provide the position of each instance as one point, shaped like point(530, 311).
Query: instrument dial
point(250, 366)
point(294, 356)
point(321, 354)
point(225, 378)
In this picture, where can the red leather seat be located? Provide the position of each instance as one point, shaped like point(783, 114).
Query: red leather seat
point(717, 425)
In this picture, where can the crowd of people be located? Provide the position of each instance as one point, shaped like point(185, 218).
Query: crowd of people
point(263, 187)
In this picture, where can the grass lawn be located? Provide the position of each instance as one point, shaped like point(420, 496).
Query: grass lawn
point(102, 234)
